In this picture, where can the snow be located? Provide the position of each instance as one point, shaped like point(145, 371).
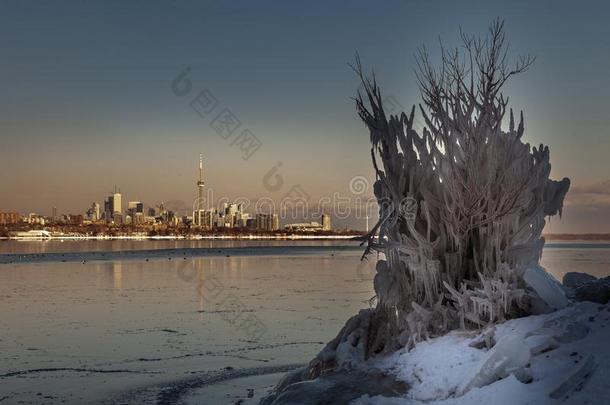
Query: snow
point(561, 357)
point(507, 356)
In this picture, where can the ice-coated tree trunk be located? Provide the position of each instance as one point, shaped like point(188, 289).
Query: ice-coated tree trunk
point(462, 204)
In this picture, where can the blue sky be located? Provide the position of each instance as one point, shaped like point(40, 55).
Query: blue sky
point(87, 100)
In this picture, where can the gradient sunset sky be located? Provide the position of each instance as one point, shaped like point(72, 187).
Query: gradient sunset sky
point(87, 102)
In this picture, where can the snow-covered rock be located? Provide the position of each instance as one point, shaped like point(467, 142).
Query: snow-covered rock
point(556, 358)
point(595, 291)
point(568, 362)
point(584, 287)
point(573, 279)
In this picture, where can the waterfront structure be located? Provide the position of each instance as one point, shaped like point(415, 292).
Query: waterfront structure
point(304, 227)
point(32, 234)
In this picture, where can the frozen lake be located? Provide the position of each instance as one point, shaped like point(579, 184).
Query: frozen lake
point(145, 321)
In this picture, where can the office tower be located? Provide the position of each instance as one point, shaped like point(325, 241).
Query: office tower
point(135, 210)
point(54, 213)
point(93, 213)
point(326, 226)
point(133, 205)
point(209, 218)
point(108, 209)
point(267, 222)
point(261, 222)
point(96, 211)
point(116, 202)
point(275, 222)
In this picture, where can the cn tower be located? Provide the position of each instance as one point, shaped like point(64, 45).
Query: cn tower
point(200, 184)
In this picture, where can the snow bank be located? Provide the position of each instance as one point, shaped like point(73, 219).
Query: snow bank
point(562, 357)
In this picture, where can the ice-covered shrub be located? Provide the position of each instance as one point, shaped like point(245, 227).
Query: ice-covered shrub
point(462, 200)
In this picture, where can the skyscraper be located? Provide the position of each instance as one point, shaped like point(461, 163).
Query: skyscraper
point(116, 202)
point(267, 222)
point(113, 205)
point(93, 213)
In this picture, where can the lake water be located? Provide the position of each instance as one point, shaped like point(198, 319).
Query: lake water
point(152, 321)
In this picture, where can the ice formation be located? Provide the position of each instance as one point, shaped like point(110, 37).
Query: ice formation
point(462, 202)
point(462, 205)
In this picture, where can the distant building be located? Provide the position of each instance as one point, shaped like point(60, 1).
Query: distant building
point(9, 218)
point(326, 225)
point(261, 222)
point(135, 206)
point(267, 222)
point(304, 227)
point(32, 234)
point(54, 213)
point(135, 211)
point(208, 218)
point(116, 203)
point(113, 206)
point(108, 209)
point(34, 218)
point(139, 218)
point(93, 213)
point(73, 219)
point(118, 218)
point(275, 223)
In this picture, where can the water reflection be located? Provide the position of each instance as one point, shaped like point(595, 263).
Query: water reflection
point(117, 275)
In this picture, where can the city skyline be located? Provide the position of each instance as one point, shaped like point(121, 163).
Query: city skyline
point(94, 113)
point(207, 214)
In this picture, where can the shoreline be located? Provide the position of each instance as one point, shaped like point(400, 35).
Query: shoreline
point(239, 237)
point(180, 237)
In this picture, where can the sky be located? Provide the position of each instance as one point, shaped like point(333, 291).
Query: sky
point(87, 98)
